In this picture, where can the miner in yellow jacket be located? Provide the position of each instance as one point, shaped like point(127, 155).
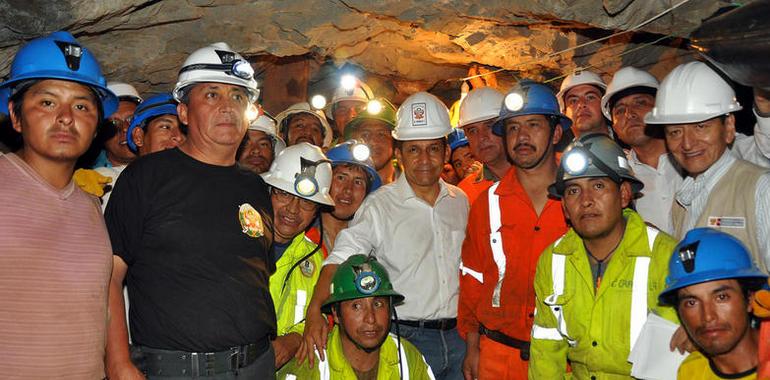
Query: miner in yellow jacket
point(596, 284)
point(300, 178)
point(362, 301)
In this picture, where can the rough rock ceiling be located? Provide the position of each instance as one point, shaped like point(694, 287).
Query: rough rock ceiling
point(403, 46)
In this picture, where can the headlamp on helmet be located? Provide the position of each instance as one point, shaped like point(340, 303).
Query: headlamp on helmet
point(305, 183)
point(348, 83)
point(514, 101)
point(360, 151)
point(576, 162)
point(367, 282)
point(252, 113)
point(374, 107)
point(238, 68)
point(318, 101)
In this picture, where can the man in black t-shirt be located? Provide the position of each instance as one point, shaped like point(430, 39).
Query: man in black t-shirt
point(192, 235)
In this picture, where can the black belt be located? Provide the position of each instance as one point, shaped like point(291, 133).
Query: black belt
point(157, 362)
point(521, 345)
point(435, 324)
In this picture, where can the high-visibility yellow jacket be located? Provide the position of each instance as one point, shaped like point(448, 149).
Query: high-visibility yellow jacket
point(291, 295)
point(336, 367)
point(595, 329)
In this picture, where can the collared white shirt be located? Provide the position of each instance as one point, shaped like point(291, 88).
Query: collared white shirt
point(660, 186)
point(756, 148)
point(694, 195)
point(417, 243)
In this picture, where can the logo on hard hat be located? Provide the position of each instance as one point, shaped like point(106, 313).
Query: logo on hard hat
point(687, 256)
point(251, 221)
point(418, 114)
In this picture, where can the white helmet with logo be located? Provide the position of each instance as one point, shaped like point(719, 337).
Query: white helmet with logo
point(625, 78)
point(359, 92)
point(283, 121)
point(479, 105)
point(216, 63)
point(422, 116)
point(302, 170)
point(576, 79)
point(266, 124)
point(692, 93)
point(125, 91)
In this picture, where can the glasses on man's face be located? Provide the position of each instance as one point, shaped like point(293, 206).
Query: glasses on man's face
point(283, 198)
point(119, 123)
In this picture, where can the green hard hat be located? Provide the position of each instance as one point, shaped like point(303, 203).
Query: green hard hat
point(594, 155)
point(360, 276)
point(378, 109)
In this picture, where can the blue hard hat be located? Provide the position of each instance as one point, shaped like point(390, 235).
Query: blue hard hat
point(704, 255)
point(59, 56)
point(529, 98)
point(457, 139)
point(345, 153)
point(161, 104)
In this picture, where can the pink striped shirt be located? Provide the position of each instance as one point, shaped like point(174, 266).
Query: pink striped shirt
point(55, 266)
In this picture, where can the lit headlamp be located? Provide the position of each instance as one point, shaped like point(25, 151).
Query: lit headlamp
point(252, 113)
point(305, 183)
point(348, 83)
point(360, 151)
point(318, 102)
point(374, 107)
point(238, 68)
point(576, 162)
point(514, 101)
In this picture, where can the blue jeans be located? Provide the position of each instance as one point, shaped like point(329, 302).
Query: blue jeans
point(444, 350)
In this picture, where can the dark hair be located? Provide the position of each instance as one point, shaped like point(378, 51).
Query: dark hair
point(748, 286)
point(21, 88)
point(369, 179)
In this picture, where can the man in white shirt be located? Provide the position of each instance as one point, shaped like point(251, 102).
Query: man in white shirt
point(629, 97)
point(415, 227)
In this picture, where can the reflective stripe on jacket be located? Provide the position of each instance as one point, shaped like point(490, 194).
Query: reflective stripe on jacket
point(594, 329)
point(292, 299)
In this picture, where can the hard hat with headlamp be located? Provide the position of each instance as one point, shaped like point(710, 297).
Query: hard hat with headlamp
point(707, 254)
point(357, 277)
point(216, 63)
point(379, 109)
point(627, 81)
point(457, 139)
point(479, 105)
point(284, 117)
point(350, 89)
point(125, 91)
point(579, 77)
point(161, 104)
point(692, 93)
point(591, 156)
point(530, 98)
point(355, 153)
point(422, 116)
point(265, 123)
point(302, 170)
point(57, 56)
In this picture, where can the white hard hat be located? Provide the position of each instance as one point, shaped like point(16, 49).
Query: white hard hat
point(576, 79)
point(216, 63)
point(304, 107)
point(360, 93)
point(692, 93)
point(422, 116)
point(479, 105)
point(124, 90)
point(623, 79)
point(266, 124)
point(302, 170)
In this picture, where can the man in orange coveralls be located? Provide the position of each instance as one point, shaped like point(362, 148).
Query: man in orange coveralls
point(508, 227)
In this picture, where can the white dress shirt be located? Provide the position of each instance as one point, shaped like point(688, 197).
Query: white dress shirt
point(660, 186)
point(417, 243)
point(694, 195)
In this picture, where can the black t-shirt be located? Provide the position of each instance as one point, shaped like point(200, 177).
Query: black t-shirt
point(196, 280)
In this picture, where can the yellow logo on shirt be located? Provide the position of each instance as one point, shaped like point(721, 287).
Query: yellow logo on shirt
point(251, 221)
